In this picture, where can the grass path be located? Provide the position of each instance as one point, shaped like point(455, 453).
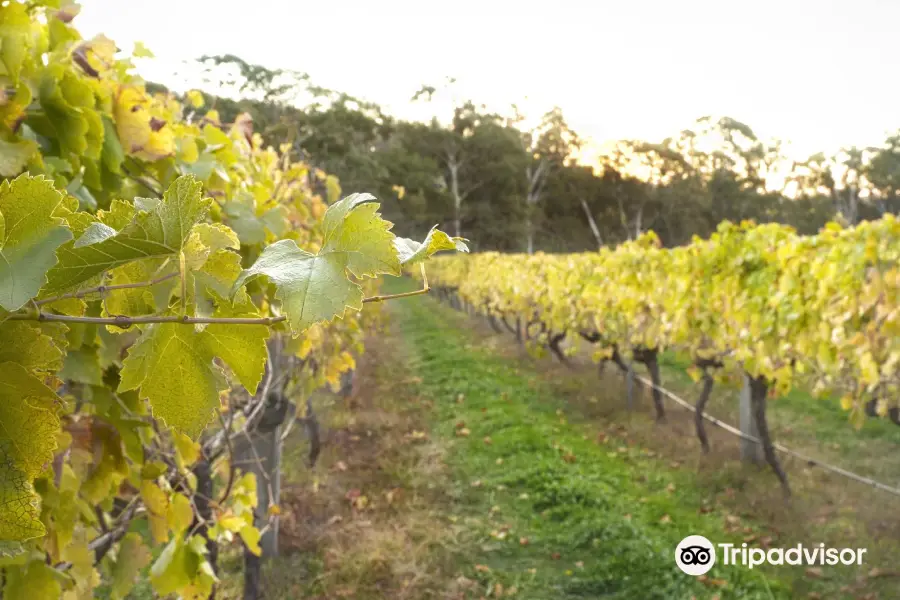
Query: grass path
point(557, 513)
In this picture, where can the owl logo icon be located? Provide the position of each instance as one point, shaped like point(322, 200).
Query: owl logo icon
point(695, 555)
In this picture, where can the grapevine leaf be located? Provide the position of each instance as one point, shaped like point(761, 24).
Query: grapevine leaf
point(15, 37)
point(133, 555)
point(14, 156)
point(173, 569)
point(242, 218)
point(206, 239)
point(173, 365)
point(411, 251)
point(175, 374)
point(94, 234)
point(157, 504)
point(112, 154)
point(158, 229)
point(251, 536)
point(316, 287)
point(9, 549)
point(30, 237)
point(38, 580)
point(243, 347)
point(82, 366)
point(26, 345)
point(132, 301)
point(143, 131)
point(180, 514)
point(28, 428)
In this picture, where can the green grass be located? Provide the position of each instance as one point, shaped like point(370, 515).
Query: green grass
point(600, 520)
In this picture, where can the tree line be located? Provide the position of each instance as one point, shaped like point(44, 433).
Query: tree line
point(488, 177)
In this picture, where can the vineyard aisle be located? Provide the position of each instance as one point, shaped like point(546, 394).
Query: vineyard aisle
point(461, 471)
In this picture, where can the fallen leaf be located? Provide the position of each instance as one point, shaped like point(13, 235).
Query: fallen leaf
point(876, 572)
point(814, 572)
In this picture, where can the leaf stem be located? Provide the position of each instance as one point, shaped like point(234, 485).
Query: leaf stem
point(424, 290)
point(101, 289)
point(124, 322)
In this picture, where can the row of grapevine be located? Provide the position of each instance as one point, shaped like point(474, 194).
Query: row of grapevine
point(161, 271)
point(820, 312)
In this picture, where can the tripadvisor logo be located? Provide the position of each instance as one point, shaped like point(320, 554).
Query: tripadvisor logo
point(695, 555)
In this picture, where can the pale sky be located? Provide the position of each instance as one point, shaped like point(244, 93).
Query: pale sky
point(819, 73)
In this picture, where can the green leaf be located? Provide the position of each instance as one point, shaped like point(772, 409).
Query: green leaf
point(37, 580)
point(27, 345)
point(206, 239)
point(82, 366)
point(113, 156)
point(94, 234)
point(134, 301)
point(9, 549)
point(158, 229)
point(251, 535)
point(180, 515)
point(30, 237)
point(243, 347)
point(133, 555)
point(14, 156)
point(15, 37)
point(176, 374)
point(242, 218)
point(172, 364)
point(28, 428)
point(316, 287)
point(411, 251)
point(174, 568)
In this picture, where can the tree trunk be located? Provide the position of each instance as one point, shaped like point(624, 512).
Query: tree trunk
point(758, 390)
point(648, 357)
point(529, 234)
point(203, 473)
point(453, 165)
point(593, 224)
point(252, 576)
point(555, 341)
point(261, 455)
point(701, 406)
point(639, 221)
point(750, 451)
